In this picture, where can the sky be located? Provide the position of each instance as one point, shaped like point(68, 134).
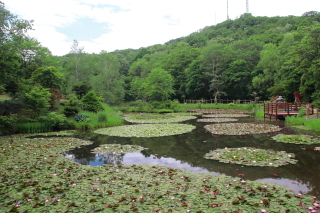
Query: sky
point(108, 25)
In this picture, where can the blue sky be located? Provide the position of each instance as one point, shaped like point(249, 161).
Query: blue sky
point(120, 24)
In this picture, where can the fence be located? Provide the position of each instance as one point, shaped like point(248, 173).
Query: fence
point(223, 101)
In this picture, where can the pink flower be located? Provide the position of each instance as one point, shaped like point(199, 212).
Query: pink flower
point(74, 184)
point(315, 204)
point(54, 174)
point(172, 198)
point(57, 200)
point(188, 210)
point(65, 170)
point(170, 181)
point(262, 210)
point(28, 199)
point(17, 205)
point(182, 177)
point(133, 200)
point(46, 201)
point(204, 179)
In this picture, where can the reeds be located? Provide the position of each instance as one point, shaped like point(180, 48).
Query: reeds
point(312, 123)
point(34, 127)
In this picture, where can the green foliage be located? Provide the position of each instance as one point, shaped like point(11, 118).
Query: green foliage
point(81, 117)
point(48, 77)
point(38, 99)
point(71, 110)
point(158, 85)
point(34, 127)
point(81, 88)
point(91, 102)
point(8, 124)
point(57, 121)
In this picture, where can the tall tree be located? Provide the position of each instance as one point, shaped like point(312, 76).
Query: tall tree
point(77, 53)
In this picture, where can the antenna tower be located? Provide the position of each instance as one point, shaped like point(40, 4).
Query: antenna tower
point(227, 10)
point(247, 9)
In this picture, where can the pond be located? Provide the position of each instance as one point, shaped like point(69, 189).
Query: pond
point(186, 151)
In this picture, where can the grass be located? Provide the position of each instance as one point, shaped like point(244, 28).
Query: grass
point(107, 117)
point(34, 127)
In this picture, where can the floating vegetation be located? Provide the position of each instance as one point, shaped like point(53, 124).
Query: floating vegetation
point(146, 130)
point(61, 133)
point(217, 120)
point(157, 118)
point(225, 115)
point(241, 128)
point(35, 177)
point(117, 149)
point(251, 156)
point(296, 139)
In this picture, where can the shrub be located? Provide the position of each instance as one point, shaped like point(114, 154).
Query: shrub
point(71, 110)
point(8, 123)
point(91, 102)
point(81, 117)
point(57, 121)
point(102, 117)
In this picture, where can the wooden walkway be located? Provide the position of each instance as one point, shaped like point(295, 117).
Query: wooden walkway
point(278, 110)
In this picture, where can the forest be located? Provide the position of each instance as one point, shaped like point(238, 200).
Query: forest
point(246, 58)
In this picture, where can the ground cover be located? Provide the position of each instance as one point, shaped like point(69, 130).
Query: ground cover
point(146, 130)
point(241, 128)
point(157, 118)
point(217, 120)
point(225, 115)
point(35, 177)
point(296, 139)
point(116, 149)
point(251, 156)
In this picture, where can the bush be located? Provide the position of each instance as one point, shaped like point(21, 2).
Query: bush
point(7, 124)
point(91, 102)
point(81, 117)
point(56, 121)
point(102, 117)
point(70, 111)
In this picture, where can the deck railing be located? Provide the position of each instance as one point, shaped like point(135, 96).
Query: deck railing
point(275, 109)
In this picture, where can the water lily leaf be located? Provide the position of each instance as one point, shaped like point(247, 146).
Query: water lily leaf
point(251, 156)
point(157, 118)
point(296, 139)
point(146, 130)
point(241, 128)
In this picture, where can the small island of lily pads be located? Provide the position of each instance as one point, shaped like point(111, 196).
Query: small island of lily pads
point(241, 128)
point(296, 139)
point(157, 118)
point(217, 120)
point(225, 115)
point(250, 156)
point(116, 149)
point(146, 130)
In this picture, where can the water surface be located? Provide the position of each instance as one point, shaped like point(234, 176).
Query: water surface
point(186, 151)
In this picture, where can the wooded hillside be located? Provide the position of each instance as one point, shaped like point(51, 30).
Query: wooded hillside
point(237, 59)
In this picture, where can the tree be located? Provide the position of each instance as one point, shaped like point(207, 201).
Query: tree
point(109, 83)
point(91, 102)
point(38, 99)
point(81, 88)
point(77, 53)
point(158, 85)
point(48, 77)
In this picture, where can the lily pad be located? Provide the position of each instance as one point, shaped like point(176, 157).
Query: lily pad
point(241, 128)
point(117, 149)
point(225, 115)
point(251, 156)
point(156, 118)
point(146, 130)
point(217, 120)
point(36, 177)
point(296, 139)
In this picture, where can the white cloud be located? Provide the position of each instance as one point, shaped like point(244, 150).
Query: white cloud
point(139, 23)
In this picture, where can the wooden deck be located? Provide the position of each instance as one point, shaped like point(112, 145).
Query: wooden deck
point(278, 110)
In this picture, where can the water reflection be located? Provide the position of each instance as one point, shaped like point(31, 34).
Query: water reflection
point(186, 151)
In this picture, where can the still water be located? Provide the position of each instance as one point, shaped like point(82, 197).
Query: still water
point(186, 152)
